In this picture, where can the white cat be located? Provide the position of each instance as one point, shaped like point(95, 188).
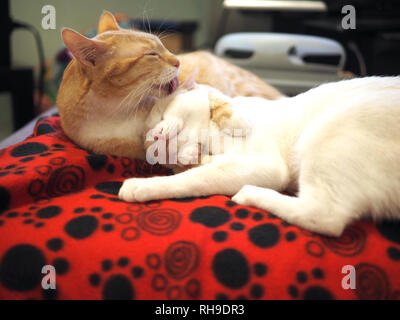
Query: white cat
point(337, 146)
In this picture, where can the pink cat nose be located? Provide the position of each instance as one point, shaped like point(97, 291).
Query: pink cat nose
point(176, 63)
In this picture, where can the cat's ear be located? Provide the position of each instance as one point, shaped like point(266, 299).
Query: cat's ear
point(190, 82)
point(107, 22)
point(85, 50)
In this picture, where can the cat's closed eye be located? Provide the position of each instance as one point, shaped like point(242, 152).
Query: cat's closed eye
point(152, 53)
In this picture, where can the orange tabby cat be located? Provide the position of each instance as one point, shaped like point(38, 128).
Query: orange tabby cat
point(116, 77)
point(226, 77)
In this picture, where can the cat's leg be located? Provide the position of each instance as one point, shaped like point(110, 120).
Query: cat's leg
point(224, 174)
point(308, 211)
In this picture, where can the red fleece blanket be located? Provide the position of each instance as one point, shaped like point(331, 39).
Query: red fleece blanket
point(59, 207)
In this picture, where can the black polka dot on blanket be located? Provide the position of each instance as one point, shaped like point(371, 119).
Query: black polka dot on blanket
point(137, 272)
point(97, 161)
point(109, 187)
point(264, 236)
point(55, 244)
point(21, 267)
point(118, 287)
point(390, 230)
point(220, 236)
point(317, 293)
point(256, 291)
point(210, 216)
point(231, 268)
point(29, 148)
point(242, 213)
point(393, 253)
point(61, 265)
point(49, 212)
point(260, 269)
point(44, 128)
point(5, 200)
point(81, 227)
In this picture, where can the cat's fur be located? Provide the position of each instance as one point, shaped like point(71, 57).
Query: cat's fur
point(226, 77)
point(109, 88)
point(337, 145)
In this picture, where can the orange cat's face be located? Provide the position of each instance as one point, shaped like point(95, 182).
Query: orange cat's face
point(137, 60)
point(124, 63)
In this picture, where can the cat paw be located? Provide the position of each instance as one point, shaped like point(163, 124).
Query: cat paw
point(138, 190)
point(167, 129)
point(236, 126)
point(189, 155)
point(247, 196)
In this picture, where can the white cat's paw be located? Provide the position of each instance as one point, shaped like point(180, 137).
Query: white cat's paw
point(168, 129)
point(236, 126)
point(247, 196)
point(189, 155)
point(138, 190)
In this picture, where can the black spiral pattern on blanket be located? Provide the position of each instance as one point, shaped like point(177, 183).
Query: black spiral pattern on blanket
point(351, 243)
point(371, 282)
point(159, 222)
point(66, 180)
point(181, 259)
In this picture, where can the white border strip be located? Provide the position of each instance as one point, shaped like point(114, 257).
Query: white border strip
point(276, 5)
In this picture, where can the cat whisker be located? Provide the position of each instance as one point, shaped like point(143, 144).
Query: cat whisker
point(165, 35)
point(122, 104)
point(146, 21)
point(160, 26)
point(130, 104)
point(161, 34)
point(144, 94)
point(159, 89)
point(126, 102)
point(135, 110)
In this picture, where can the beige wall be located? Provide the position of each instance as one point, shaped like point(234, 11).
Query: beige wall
point(81, 14)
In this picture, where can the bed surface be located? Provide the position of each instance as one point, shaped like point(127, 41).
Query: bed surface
point(59, 207)
point(26, 130)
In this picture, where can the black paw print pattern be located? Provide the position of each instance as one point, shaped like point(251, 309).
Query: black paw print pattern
point(231, 267)
point(249, 279)
point(306, 291)
point(13, 169)
point(34, 216)
point(265, 234)
point(116, 279)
